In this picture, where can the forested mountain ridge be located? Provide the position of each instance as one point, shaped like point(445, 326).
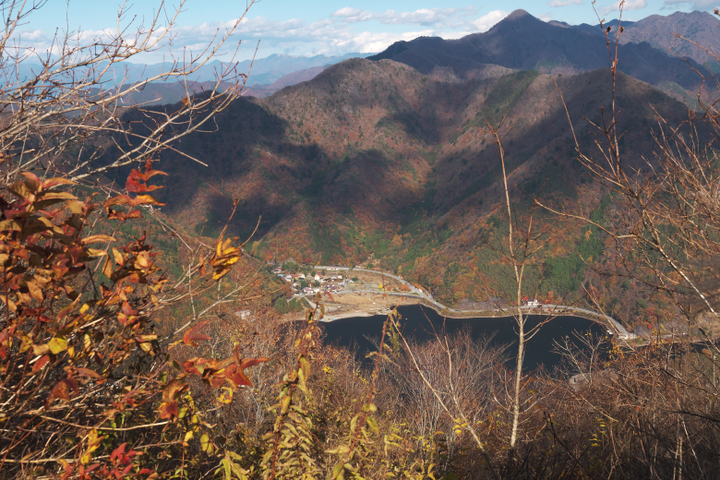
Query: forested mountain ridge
point(375, 162)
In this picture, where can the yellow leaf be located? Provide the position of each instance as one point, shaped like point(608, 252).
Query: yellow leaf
point(119, 259)
point(56, 196)
point(57, 345)
point(226, 396)
point(205, 442)
point(9, 225)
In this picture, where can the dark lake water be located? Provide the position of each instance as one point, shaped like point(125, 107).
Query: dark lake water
point(420, 322)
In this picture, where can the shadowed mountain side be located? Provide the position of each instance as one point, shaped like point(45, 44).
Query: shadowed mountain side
point(271, 164)
point(524, 42)
point(662, 33)
point(539, 148)
point(375, 160)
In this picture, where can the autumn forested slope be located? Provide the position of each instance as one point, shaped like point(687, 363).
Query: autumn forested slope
point(374, 162)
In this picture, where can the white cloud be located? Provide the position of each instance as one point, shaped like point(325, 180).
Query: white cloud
point(695, 4)
point(341, 32)
point(423, 16)
point(346, 12)
point(564, 3)
point(546, 17)
point(370, 42)
point(627, 5)
point(486, 22)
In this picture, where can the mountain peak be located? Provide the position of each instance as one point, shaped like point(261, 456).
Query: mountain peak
point(517, 15)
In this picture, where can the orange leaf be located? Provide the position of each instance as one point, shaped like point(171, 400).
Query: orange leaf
point(52, 182)
point(192, 335)
point(31, 180)
point(145, 200)
point(97, 238)
point(173, 390)
point(168, 410)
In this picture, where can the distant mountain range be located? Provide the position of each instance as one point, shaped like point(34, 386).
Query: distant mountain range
point(524, 42)
point(693, 35)
point(265, 76)
point(652, 52)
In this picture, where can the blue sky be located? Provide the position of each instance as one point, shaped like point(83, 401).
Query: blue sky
point(293, 27)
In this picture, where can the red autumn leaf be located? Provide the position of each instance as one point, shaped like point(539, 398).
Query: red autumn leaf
point(127, 316)
point(216, 379)
point(251, 362)
point(133, 202)
point(194, 366)
point(168, 410)
point(118, 453)
point(4, 342)
point(235, 374)
point(145, 200)
point(40, 363)
point(127, 310)
point(137, 182)
point(192, 335)
point(61, 391)
point(149, 172)
point(132, 185)
point(236, 377)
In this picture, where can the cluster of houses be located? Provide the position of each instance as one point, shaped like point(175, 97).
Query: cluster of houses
point(311, 284)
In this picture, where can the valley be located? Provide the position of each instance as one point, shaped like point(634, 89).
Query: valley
point(490, 250)
point(376, 162)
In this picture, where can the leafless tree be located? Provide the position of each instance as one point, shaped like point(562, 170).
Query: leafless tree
point(68, 112)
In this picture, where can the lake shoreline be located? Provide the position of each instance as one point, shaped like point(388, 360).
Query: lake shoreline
point(612, 325)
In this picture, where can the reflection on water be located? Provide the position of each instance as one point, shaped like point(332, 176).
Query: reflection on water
point(420, 322)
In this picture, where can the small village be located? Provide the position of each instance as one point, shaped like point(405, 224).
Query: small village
point(309, 284)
